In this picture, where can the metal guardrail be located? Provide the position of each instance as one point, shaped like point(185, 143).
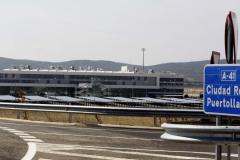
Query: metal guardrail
point(202, 134)
point(218, 135)
point(120, 111)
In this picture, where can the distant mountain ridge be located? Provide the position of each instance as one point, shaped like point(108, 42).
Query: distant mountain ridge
point(192, 71)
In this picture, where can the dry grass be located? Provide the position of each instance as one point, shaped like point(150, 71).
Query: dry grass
point(89, 119)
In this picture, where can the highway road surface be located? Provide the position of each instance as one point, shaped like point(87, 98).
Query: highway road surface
point(44, 141)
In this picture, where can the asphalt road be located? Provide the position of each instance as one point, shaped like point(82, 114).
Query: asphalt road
point(65, 142)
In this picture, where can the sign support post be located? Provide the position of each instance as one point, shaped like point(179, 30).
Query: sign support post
point(231, 43)
point(215, 59)
point(218, 148)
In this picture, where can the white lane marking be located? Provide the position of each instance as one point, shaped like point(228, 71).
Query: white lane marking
point(32, 149)
point(15, 131)
point(85, 128)
point(73, 147)
point(161, 150)
point(92, 136)
point(53, 149)
point(32, 140)
point(27, 137)
point(22, 134)
point(31, 146)
point(146, 150)
point(10, 130)
point(56, 148)
point(143, 154)
point(87, 156)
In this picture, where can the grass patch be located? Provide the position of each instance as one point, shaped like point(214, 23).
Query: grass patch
point(91, 119)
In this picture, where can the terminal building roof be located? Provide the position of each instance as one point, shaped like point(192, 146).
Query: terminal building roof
point(59, 70)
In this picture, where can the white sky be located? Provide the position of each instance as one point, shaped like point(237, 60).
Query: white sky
point(115, 30)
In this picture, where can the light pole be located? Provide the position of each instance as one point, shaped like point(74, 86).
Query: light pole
point(143, 51)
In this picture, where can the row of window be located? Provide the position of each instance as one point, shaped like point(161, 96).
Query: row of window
point(171, 79)
point(72, 82)
point(171, 84)
point(75, 77)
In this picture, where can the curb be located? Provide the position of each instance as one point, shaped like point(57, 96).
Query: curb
point(42, 122)
point(130, 127)
point(83, 125)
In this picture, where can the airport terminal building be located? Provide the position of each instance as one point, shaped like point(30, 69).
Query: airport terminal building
point(81, 82)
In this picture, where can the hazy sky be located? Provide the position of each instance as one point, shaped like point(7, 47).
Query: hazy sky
point(116, 30)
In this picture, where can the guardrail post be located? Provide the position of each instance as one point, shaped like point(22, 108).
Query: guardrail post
point(25, 115)
point(155, 121)
point(70, 117)
point(218, 152)
point(228, 152)
point(18, 114)
point(238, 148)
point(160, 120)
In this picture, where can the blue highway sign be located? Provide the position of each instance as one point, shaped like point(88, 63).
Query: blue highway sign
point(222, 90)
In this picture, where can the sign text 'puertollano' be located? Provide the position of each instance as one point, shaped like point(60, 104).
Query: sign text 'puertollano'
point(222, 90)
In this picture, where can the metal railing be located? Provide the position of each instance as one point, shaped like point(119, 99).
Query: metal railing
point(120, 111)
point(221, 135)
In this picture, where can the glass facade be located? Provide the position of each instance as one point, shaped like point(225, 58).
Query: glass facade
point(116, 85)
point(76, 79)
point(171, 82)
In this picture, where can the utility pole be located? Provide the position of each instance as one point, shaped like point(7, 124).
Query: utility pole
point(143, 51)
